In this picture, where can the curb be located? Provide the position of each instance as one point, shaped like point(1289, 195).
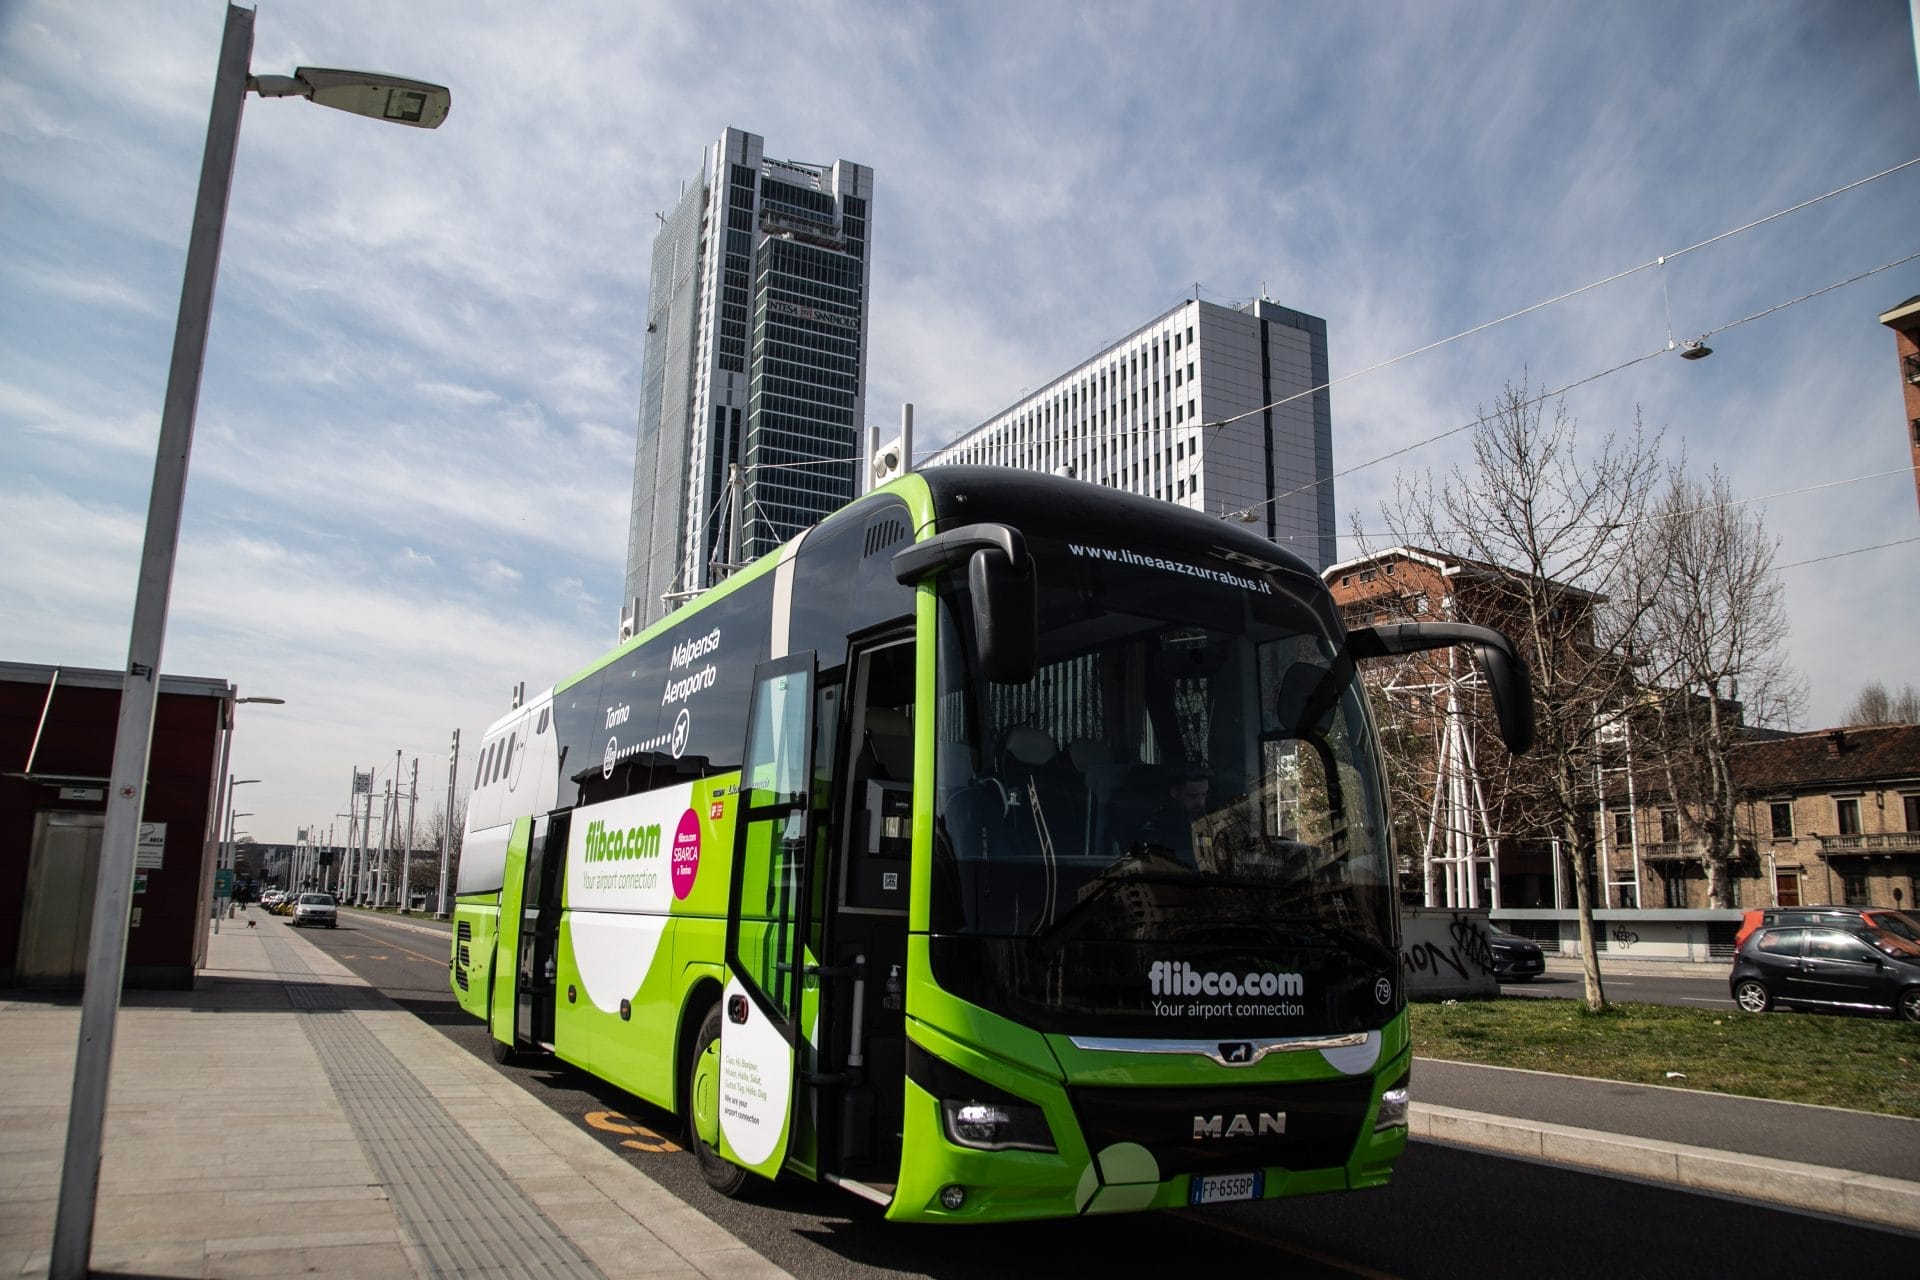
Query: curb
point(1865, 1197)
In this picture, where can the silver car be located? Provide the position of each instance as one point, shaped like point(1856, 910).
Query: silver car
point(316, 908)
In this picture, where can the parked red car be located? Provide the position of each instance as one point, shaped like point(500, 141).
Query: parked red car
point(1883, 920)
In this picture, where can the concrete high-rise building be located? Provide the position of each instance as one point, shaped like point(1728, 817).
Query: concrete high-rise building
point(1222, 409)
point(756, 357)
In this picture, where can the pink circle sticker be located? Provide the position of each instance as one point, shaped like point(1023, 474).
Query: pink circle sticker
point(686, 853)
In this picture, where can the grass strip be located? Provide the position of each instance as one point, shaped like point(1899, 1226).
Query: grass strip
point(1860, 1063)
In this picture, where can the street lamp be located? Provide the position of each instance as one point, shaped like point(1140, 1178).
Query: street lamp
point(233, 782)
point(233, 838)
point(382, 97)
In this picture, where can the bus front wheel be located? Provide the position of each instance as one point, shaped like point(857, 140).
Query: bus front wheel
point(703, 1111)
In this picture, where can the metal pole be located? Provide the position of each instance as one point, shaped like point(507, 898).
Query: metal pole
point(446, 828)
point(406, 853)
point(360, 850)
point(133, 735)
point(221, 799)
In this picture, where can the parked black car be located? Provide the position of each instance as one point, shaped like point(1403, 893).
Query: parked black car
point(1825, 968)
point(1515, 959)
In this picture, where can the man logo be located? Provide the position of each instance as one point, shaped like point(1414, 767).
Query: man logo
point(1236, 1053)
point(1239, 1126)
point(607, 760)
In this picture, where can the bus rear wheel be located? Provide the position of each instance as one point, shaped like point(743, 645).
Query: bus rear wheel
point(703, 1110)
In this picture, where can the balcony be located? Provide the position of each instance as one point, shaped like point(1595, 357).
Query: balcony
point(1673, 851)
point(1910, 368)
point(1885, 842)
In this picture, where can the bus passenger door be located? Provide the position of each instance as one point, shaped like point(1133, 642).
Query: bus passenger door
point(539, 931)
point(761, 1011)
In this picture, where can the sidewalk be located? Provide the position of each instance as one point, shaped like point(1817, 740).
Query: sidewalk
point(284, 1119)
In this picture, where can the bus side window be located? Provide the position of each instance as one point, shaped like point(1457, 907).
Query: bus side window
point(881, 786)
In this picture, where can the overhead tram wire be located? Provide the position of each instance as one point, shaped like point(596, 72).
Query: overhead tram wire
point(1839, 555)
point(1242, 512)
point(1659, 261)
point(1711, 506)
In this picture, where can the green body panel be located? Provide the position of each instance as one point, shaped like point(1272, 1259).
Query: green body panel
point(481, 916)
point(506, 952)
point(640, 1054)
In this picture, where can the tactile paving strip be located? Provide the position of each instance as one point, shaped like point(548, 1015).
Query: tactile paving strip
point(464, 1215)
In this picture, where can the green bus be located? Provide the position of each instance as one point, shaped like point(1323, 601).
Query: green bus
point(1004, 847)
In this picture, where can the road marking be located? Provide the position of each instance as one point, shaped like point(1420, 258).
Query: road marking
point(614, 1122)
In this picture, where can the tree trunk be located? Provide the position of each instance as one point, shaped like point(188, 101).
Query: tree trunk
point(1596, 992)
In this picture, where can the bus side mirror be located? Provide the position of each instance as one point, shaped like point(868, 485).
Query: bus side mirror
point(1006, 616)
point(1505, 669)
point(1006, 611)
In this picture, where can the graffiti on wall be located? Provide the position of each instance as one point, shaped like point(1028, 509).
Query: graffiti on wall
point(1446, 954)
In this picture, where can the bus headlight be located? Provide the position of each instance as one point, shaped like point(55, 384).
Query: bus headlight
point(1393, 1108)
point(995, 1126)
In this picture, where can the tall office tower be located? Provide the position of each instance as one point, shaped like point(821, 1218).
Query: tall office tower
point(756, 357)
point(1222, 409)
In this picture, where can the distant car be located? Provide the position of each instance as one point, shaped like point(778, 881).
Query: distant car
point(1884, 919)
point(316, 908)
point(1826, 968)
point(1515, 959)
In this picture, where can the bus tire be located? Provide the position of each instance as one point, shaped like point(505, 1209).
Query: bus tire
point(503, 1051)
point(724, 1176)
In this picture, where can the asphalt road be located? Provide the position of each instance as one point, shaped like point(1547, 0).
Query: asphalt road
point(1449, 1212)
point(1692, 993)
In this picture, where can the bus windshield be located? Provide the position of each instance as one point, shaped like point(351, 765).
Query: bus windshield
point(1188, 779)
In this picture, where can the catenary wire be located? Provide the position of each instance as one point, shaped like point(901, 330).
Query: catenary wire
point(1898, 542)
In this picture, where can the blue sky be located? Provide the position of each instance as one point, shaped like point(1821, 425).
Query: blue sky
point(413, 457)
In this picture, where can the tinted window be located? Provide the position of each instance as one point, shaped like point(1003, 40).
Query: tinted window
point(672, 709)
point(1831, 944)
point(1782, 942)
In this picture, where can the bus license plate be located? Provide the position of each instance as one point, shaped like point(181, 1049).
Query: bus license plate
point(1220, 1188)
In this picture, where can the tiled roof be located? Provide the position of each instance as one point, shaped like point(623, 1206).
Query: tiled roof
point(1858, 753)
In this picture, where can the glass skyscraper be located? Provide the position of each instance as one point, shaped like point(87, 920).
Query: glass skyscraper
point(756, 356)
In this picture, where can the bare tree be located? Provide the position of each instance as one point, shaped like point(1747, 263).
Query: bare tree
point(1711, 642)
point(1548, 525)
point(426, 866)
point(1876, 706)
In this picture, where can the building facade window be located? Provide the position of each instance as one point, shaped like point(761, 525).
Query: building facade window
point(1782, 819)
point(1669, 826)
point(1677, 887)
point(1846, 815)
point(1786, 889)
point(1855, 889)
point(1623, 828)
point(1912, 805)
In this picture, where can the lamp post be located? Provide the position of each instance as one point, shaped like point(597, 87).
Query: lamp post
point(232, 782)
point(382, 97)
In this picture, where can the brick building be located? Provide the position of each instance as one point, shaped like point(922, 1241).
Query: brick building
point(1432, 707)
point(1904, 320)
point(1833, 816)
